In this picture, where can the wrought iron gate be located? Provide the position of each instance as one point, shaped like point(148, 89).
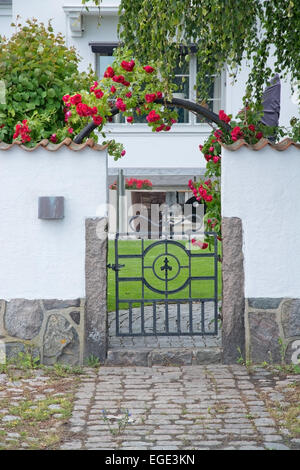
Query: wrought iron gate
point(165, 287)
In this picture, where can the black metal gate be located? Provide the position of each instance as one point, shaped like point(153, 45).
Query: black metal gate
point(165, 287)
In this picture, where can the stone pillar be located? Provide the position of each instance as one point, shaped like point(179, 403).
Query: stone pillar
point(233, 300)
point(96, 327)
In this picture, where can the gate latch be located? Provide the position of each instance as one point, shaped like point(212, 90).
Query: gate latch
point(115, 267)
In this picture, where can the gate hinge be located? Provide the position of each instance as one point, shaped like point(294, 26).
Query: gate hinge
point(115, 267)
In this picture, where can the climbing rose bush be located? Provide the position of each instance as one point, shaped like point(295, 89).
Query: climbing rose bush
point(127, 85)
point(248, 126)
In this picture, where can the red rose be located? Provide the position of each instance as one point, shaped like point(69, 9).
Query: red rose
point(216, 159)
point(148, 69)
point(129, 119)
point(129, 94)
point(118, 78)
point(128, 66)
point(123, 153)
point(259, 135)
point(149, 97)
point(125, 83)
point(98, 93)
point(66, 98)
point(113, 89)
point(76, 99)
point(53, 138)
point(167, 128)
point(109, 72)
point(70, 130)
point(120, 104)
point(152, 116)
point(223, 116)
point(251, 128)
point(160, 128)
point(98, 120)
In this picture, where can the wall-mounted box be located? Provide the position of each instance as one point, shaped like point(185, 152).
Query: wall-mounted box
point(51, 207)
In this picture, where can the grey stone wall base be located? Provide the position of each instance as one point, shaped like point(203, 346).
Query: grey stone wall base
point(96, 325)
point(233, 300)
point(164, 357)
point(51, 329)
point(273, 330)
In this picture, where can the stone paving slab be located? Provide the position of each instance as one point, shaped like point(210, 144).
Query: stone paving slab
point(187, 407)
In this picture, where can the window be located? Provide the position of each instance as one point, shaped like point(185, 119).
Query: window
point(185, 78)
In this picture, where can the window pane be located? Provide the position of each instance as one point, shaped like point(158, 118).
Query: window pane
point(103, 63)
point(183, 92)
point(214, 101)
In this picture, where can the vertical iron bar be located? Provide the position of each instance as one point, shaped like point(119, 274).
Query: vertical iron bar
point(202, 317)
point(178, 318)
point(216, 282)
point(154, 318)
point(130, 318)
point(190, 288)
point(117, 285)
point(143, 291)
point(166, 291)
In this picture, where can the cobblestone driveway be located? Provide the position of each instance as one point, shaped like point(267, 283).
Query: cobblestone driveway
point(196, 407)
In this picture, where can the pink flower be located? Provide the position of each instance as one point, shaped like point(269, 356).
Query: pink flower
point(123, 153)
point(148, 69)
point(66, 98)
point(53, 138)
point(216, 159)
point(113, 89)
point(173, 121)
point(129, 119)
point(70, 130)
point(211, 149)
point(236, 133)
point(129, 94)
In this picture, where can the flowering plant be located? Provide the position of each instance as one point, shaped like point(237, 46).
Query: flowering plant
point(134, 183)
point(128, 87)
point(247, 126)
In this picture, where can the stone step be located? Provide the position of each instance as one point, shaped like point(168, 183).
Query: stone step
point(164, 356)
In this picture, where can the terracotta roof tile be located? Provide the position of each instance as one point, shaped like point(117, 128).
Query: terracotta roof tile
point(47, 145)
point(280, 146)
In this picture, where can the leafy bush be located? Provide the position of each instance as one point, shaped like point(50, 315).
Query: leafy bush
point(37, 69)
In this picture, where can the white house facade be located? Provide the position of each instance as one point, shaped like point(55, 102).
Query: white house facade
point(147, 154)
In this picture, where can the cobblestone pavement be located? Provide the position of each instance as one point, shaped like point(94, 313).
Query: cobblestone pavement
point(189, 407)
point(192, 341)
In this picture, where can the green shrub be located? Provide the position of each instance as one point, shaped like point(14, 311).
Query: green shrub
point(37, 69)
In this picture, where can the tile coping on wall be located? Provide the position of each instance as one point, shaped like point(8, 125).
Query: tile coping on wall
point(47, 145)
point(262, 143)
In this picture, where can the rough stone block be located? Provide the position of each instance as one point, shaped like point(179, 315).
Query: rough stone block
point(290, 318)
point(56, 304)
point(264, 337)
point(23, 318)
point(264, 303)
point(60, 342)
point(135, 357)
point(208, 356)
point(170, 357)
point(96, 326)
point(233, 301)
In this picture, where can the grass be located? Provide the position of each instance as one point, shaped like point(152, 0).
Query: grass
point(200, 266)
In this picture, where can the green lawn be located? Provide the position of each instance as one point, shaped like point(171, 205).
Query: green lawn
point(200, 266)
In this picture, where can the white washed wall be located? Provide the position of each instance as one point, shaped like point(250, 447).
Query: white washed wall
point(262, 188)
point(45, 258)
